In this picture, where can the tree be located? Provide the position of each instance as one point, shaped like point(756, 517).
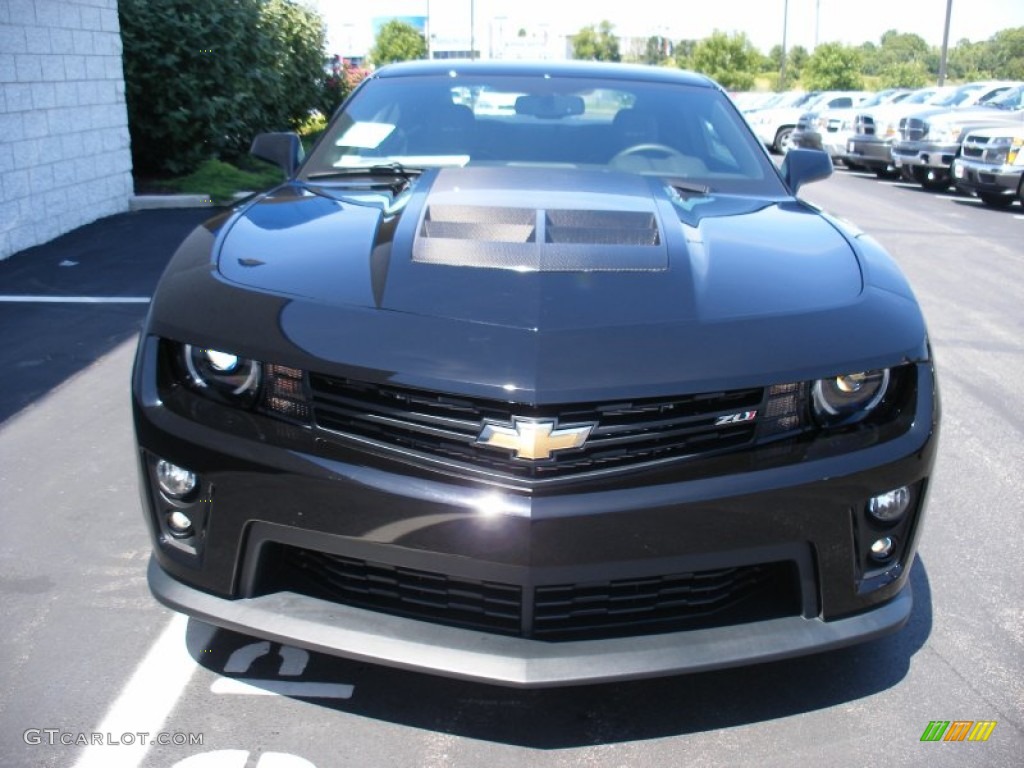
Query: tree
point(295, 59)
point(833, 66)
point(202, 77)
point(967, 61)
point(899, 50)
point(731, 60)
point(906, 74)
point(397, 41)
point(682, 53)
point(596, 44)
point(796, 60)
point(1006, 53)
point(656, 50)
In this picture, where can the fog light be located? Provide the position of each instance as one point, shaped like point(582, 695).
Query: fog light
point(890, 506)
point(883, 548)
point(179, 523)
point(173, 480)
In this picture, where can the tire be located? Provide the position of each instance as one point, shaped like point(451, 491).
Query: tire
point(885, 173)
point(783, 140)
point(853, 166)
point(931, 179)
point(996, 201)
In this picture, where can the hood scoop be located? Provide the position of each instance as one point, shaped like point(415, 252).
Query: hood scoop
point(545, 236)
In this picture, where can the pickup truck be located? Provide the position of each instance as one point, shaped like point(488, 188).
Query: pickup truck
point(930, 141)
point(991, 165)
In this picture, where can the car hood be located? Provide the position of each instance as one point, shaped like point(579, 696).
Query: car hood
point(969, 115)
point(551, 282)
point(543, 250)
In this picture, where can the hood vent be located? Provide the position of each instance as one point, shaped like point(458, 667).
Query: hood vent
point(540, 240)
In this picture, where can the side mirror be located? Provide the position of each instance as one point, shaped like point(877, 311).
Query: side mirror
point(803, 166)
point(282, 149)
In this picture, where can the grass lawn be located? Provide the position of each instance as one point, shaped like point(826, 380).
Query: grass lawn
point(222, 180)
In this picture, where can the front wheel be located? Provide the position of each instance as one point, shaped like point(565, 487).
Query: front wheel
point(996, 201)
point(783, 140)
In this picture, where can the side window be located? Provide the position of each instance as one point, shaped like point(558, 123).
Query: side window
point(841, 101)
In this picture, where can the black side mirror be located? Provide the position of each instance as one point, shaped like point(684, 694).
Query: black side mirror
point(803, 166)
point(282, 149)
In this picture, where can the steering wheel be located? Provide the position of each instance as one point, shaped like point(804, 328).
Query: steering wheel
point(637, 149)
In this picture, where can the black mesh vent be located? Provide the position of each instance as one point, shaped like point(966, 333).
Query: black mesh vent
point(623, 434)
point(559, 612)
point(665, 603)
point(407, 592)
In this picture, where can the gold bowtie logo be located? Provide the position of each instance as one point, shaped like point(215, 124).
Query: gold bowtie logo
point(533, 439)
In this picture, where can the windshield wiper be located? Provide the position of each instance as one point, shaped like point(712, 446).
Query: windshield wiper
point(399, 174)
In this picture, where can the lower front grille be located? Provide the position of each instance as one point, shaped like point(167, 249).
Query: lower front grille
point(553, 612)
point(417, 594)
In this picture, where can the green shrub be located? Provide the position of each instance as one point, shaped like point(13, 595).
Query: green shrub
point(202, 77)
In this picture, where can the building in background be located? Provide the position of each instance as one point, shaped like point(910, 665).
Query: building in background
point(65, 152)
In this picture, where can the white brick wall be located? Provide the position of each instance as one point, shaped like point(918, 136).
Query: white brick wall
point(65, 157)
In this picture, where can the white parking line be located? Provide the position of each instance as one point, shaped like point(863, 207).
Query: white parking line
point(145, 702)
point(253, 687)
point(18, 299)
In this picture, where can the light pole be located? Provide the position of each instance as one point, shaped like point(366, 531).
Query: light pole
point(817, 21)
point(945, 43)
point(785, 25)
point(428, 31)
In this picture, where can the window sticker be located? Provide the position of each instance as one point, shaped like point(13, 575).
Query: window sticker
point(365, 135)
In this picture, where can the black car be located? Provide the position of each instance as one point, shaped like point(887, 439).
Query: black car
point(572, 391)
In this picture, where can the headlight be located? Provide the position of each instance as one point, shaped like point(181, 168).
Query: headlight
point(848, 398)
point(224, 374)
point(1010, 146)
point(945, 134)
point(889, 130)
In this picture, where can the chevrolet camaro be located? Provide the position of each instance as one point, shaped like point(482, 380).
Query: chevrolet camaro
point(568, 391)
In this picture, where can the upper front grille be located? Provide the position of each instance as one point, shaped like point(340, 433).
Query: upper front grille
point(913, 129)
point(435, 426)
point(864, 125)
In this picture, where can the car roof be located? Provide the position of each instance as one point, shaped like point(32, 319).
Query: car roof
point(588, 69)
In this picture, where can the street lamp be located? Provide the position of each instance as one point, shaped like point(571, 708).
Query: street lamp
point(785, 25)
point(945, 43)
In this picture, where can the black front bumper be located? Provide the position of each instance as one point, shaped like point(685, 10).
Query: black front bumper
point(418, 564)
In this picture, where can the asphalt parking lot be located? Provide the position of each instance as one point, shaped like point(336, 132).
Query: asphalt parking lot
point(87, 651)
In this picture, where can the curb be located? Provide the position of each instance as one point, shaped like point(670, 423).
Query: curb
point(157, 202)
point(154, 202)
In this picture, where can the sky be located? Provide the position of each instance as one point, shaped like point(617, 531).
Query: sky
point(847, 21)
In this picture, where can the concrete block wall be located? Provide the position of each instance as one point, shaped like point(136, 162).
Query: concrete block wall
point(65, 157)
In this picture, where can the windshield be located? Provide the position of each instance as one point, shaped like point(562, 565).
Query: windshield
point(1012, 99)
point(918, 97)
point(958, 97)
point(878, 98)
point(632, 126)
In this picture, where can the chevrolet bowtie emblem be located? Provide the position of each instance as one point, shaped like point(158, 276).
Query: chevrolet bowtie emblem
point(533, 439)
